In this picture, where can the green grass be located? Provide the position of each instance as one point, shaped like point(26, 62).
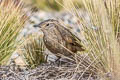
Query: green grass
point(12, 20)
point(32, 51)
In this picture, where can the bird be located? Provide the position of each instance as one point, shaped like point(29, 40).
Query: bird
point(58, 39)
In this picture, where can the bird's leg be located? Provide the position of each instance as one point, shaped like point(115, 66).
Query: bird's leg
point(58, 61)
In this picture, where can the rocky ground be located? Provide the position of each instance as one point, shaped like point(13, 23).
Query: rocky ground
point(45, 71)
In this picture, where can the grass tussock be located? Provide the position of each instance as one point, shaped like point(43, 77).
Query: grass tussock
point(101, 35)
point(12, 20)
point(32, 51)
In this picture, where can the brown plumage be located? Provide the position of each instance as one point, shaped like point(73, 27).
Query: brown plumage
point(58, 39)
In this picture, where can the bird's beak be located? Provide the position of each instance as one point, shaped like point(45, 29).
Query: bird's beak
point(37, 25)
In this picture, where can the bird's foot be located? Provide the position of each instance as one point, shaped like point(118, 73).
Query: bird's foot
point(58, 62)
point(55, 63)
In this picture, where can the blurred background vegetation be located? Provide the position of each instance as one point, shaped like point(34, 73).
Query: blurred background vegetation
point(54, 5)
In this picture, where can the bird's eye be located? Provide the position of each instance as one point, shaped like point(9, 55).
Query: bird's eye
point(47, 24)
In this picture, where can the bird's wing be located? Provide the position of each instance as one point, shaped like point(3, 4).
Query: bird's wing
point(68, 36)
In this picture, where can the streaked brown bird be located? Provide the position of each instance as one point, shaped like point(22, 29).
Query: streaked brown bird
point(58, 39)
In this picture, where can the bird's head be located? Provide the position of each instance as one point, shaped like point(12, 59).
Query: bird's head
point(47, 24)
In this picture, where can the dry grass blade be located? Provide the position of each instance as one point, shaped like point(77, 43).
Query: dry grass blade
point(12, 19)
point(101, 34)
point(32, 51)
